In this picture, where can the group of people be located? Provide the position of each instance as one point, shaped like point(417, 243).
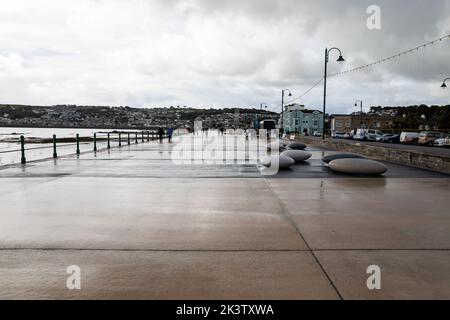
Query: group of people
point(169, 132)
point(161, 134)
point(205, 131)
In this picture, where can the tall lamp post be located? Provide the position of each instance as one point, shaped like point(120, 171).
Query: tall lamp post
point(327, 56)
point(282, 107)
point(360, 105)
point(443, 83)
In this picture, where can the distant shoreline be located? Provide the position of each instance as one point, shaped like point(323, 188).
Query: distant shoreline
point(80, 127)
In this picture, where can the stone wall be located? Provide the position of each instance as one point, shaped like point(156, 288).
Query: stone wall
point(438, 163)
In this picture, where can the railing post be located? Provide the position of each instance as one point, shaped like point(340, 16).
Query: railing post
point(95, 142)
point(55, 155)
point(148, 136)
point(129, 141)
point(78, 144)
point(136, 137)
point(120, 139)
point(109, 143)
point(22, 148)
point(142, 133)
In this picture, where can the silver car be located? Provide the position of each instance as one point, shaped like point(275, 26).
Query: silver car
point(445, 142)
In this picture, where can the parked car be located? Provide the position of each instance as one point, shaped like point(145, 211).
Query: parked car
point(444, 142)
point(339, 135)
point(389, 138)
point(317, 134)
point(379, 138)
point(409, 137)
point(427, 138)
point(351, 134)
point(376, 136)
point(367, 134)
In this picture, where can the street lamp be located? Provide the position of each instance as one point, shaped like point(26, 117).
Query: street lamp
point(443, 83)
point(340, 59)
point(361, 104)
point(282, 107)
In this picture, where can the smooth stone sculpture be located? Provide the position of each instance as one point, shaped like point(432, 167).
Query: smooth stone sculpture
point(275, 146)
point(358, 166)
point(283, 162)
point(337, 156)
point(296, 146)
point(297, 155)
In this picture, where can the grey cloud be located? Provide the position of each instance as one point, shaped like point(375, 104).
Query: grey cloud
point(211, 52)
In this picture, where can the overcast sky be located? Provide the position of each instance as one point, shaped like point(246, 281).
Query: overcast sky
point(218, 53)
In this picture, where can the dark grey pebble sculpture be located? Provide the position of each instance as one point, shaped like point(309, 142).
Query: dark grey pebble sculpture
point(282, 162)
point(358, 167)
point(337, 156)
point(274, 146)
point(296, 146)
point(297, 155)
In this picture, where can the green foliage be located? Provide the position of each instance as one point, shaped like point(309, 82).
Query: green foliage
point(412, 117)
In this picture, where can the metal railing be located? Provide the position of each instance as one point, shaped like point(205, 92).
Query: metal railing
point(116, 137)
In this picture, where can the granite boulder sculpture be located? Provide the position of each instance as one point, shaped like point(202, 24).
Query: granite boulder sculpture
point(357, 166)
point(281, 161)
point(296, 146)
point(297, 155)
point(337, 156)
point(275, 146)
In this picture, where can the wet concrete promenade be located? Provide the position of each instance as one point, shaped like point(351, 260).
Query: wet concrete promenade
point(140, 224)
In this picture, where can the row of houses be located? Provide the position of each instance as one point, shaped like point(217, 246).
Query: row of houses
point(344, 123)
point(297, 118)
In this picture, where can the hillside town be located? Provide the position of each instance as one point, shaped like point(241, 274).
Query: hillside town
point(296, 118)
point(72, 116)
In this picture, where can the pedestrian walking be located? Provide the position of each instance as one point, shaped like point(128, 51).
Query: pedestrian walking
point(160, 134)
point(169, 134)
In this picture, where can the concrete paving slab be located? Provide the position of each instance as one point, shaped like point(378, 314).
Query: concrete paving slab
point(163, 275)
point(365, 214)
point(11, 185)
point(143, 168)
point(147, 214)
point(404, 274)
